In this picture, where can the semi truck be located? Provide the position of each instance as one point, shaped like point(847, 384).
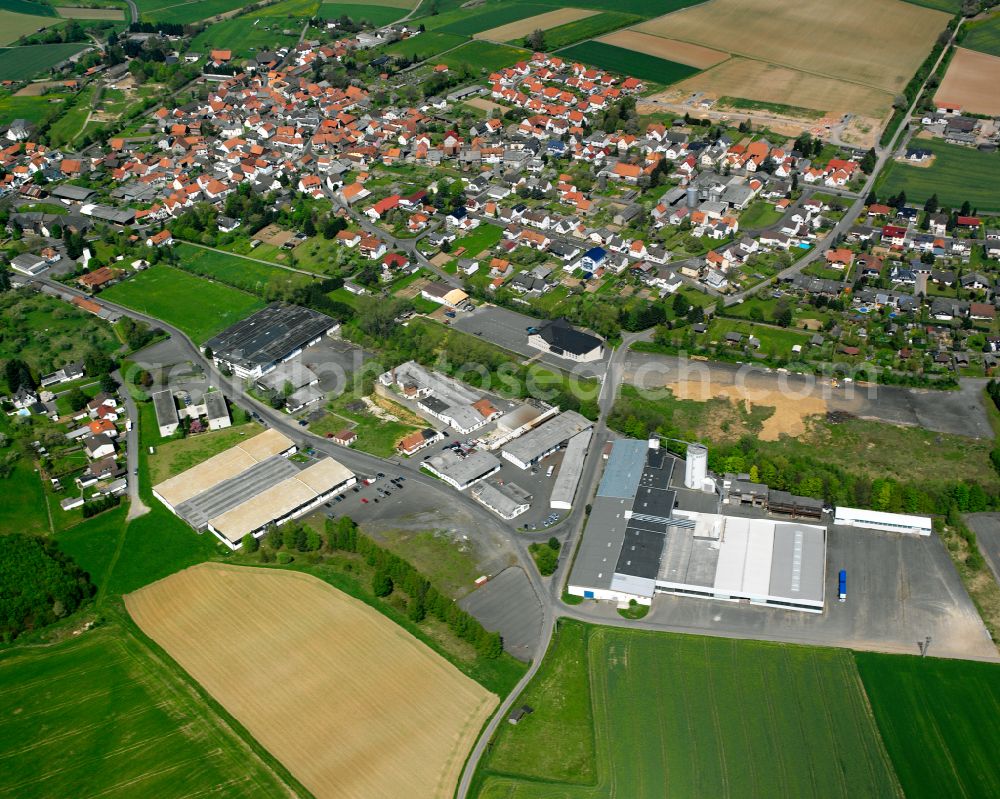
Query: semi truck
point(842, 586)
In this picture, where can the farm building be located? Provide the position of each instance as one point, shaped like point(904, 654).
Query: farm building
point(879, 520)
point(545, 439)
point(274, 334)
point(246, 488)
point(561, 339)
point(648, 534)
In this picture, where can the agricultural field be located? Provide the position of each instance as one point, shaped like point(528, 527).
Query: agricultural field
point(424, 46)
point(467, 22)
point(688, 716)
point(693, 55)
point(14, 25)
point(78, 12)
point(982, 35)
point(184, 12)
point(21, 63)
point(199, 307)
point(894, 37)
point(375, 14)
point(948, 6)
point(626, 62)
point(92, 542)
point(484, 56)
point(517, 30)
point(972, 82)
point(956, 175)
point(233, 628)
point(938, 721)
point(247, 34)
point(103, 715)
point(27, 7)
point(587, 28)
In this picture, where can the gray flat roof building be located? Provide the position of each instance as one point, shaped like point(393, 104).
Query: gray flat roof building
point(545, 439)
point(272, 335)
point(462, 472)
point(507, 500)
point(166, 412)
point(570, 469)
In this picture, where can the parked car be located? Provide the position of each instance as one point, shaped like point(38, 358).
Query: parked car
point(364, 500)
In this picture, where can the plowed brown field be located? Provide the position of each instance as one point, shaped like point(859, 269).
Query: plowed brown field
point(350, 703)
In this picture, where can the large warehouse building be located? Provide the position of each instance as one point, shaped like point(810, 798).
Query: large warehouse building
point(274, 334)
point(647, 533)
point(530, 448)
point(245, 489)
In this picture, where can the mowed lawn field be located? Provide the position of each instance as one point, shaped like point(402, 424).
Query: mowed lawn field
point(21, 63)
point(628, 62)
point(362, 709)
point(645, 715)
point(938, 719)
point(102, 715)
point(235, 270)
point(484, 56)
point(376, 13)
point(199, 307)
point(956, 175)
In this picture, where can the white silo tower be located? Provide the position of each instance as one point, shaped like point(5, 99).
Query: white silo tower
point(696, 466)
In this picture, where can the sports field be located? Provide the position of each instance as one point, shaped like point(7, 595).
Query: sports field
point(680, 715)
point(102, 716)
point(627, 62)
point(983, 35)
point(972, 82)
point(199, 307)
point(938, 719)
point(21, 63)
point(878, 43)
point(522, 27)
point(349, 702)
point(693, 55)
point(956, 175)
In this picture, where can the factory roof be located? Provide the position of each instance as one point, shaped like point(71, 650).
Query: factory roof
point(463, 470)
point(270, 335)
point(568, 478)
point(535, 443)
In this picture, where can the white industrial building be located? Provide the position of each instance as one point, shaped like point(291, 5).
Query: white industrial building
point(647, 533)
point(526, 451)
point(166, 412)
point(462, 471)
point(568, 477)
point(507, 500)
point(879, 520)
point(440, 397)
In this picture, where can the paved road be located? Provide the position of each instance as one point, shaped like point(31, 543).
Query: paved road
point(137, 507)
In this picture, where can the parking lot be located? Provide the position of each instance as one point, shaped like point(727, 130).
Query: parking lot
point(509, 329)
point(508, 604)
point(900, 589)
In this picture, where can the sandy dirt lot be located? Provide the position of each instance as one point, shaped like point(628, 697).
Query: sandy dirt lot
point(972, 81)
point(38, 88)
point(484, 105)
point(790, 413)
point(521, 28)
point(682, 52)
point(76, 12)
point(879, 43)
point(350, 703)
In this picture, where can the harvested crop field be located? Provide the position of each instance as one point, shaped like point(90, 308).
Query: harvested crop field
point(350, 703)
point(693, 55)
point(972, 82)
point(767, 83)
point(522, 27)
point(77, 12)
point(879, 43)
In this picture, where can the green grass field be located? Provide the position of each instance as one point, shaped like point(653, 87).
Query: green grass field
point(587, 28)
point(376, 15)
point(939, 722)
point(644, 8)
point(482, 238)
point(470, 21)
point(246, 35)
point(27, 7)
point(759, 214)
point(199, 307)
point(184, 13)
point(103, 715)
point(983, 35)
point(234, 270)
point(424, 46)
point(27, 514)
point(948, 6)
point(33, 109)
point(625, 62)
point(680, 715)
point(957, 174)
point(21, 63)
point(484, 56)
point(93, 542)
point(174, 456)
point(65, 129)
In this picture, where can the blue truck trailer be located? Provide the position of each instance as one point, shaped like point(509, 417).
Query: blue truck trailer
point(842, 586)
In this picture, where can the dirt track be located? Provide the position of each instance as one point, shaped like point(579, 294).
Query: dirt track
point(350, 703)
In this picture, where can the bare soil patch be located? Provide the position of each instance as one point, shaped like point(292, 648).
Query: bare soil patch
point(484, 105)
point(972, 82)
point(879, 43)
point(693, 55)
point(38, 88)
point(791, 413)
point(522, 27)
point(349, 702)
point(275, 236)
